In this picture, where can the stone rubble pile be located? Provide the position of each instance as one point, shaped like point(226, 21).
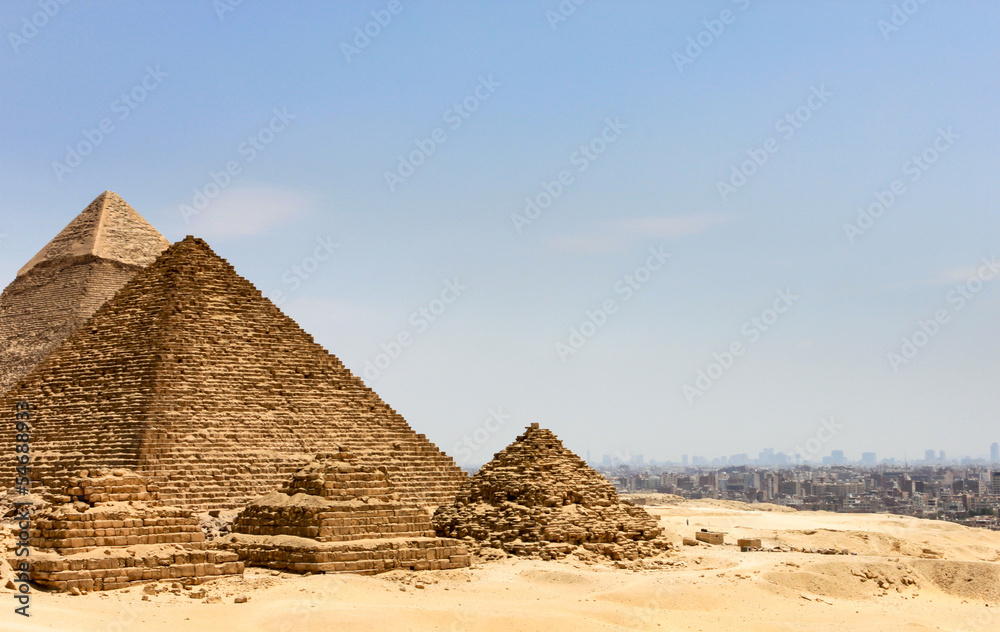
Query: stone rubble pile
point(537, 498)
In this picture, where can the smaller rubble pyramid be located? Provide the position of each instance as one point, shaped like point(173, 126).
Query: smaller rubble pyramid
point(335, 515)
point(111, 531)
point(537, 498)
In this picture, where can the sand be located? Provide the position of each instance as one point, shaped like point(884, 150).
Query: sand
point(902, 574)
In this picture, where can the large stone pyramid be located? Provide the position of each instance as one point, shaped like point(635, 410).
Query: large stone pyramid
point(190, 377)
point(538, 498)
point(65, 283)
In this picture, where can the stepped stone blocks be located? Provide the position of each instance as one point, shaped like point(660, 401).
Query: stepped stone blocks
point(65, 283)
point(537, 498)
point(191, 378)
point(112, 532)
point(335, 515)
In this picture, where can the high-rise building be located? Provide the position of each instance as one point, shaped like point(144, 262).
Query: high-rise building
point(929, 456)
point(868, 458)
point(606, 460)
point(995, 483)
point(941, 456)
point(995, 453)
point(684, 460)
point(836, 458)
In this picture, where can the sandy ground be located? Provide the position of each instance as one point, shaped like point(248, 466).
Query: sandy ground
point(943, 577)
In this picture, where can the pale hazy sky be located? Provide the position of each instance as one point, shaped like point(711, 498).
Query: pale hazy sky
point(627, 132)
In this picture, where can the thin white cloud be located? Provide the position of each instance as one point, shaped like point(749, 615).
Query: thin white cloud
point(251, 210)
point(618, 235)
point(953, 276)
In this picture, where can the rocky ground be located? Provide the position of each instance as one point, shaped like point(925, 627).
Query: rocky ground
point(898, 574)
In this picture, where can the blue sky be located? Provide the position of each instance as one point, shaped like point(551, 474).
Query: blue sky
point(867, 86)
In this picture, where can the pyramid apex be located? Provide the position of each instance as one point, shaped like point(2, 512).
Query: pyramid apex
point(190, 245)
point(109, 228)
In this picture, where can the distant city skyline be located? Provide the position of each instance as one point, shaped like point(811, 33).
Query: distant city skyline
point(770, 456)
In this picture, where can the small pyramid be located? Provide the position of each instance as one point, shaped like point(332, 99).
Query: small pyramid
point(65, 283)
point(538, 498)
point(108, 529)
point(192, 378)
point(338, 515)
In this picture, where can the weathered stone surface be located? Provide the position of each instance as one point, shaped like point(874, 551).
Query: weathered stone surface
point(336, 515)
point(72, 276)
point(537, 498)
point(710, 537)
point(107, 229)
point(190, 377)
point(112, 532)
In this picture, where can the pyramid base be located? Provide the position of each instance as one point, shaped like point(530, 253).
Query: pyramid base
point(363, 557)
point(120, 568)
point(614, 551)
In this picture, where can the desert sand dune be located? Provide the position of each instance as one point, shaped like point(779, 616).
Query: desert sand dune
point(888, 581)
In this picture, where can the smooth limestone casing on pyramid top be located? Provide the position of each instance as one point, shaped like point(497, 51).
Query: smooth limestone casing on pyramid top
point(190, 377)
point(69, 279)
point(113, 532)
point(538, 498)
point(335, 515)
